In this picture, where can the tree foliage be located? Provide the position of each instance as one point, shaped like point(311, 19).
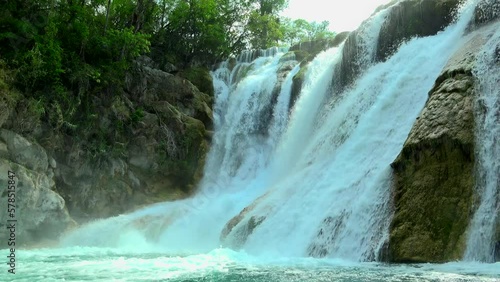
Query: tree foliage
point(63, 51)
point(66, 52)
point(301, 30)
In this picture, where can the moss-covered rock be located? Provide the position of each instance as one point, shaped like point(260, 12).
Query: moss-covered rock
point(434, 173)
point(298, 80)
point(433, 197)
point(316, 46)
point(200, 77)
point(139, 146)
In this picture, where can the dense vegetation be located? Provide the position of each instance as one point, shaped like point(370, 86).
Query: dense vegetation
point(62, 54)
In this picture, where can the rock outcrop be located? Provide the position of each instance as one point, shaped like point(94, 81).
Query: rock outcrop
point(160, 144)
point(413, 18)
point(434, 174)
point(304, 53)
point(144, 145)
point(40, 212)
point(239, 228)
point(486, 11)
point(496, 256)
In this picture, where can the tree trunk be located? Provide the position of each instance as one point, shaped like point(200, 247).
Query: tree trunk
point(107, 16)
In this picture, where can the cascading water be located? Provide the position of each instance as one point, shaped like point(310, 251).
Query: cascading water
point(480, 245)
point(247, 125)
point(313, 181)
point(331, 173)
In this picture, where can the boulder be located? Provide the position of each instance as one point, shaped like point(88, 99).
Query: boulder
point(146, 86)
point(434, 173)
point(40, 212)
point(26, 153)
point(170, 68)
point(201, 78)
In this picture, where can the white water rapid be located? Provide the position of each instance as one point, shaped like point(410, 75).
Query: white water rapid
point(313, 180)
point(480, 245)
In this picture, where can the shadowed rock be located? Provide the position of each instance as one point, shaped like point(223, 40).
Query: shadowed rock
point(413, 18)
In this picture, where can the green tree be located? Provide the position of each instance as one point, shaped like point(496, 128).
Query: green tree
point(265, 30)
point(264, 24)
point(200, 32)
point(63, 53)
point(301, 30)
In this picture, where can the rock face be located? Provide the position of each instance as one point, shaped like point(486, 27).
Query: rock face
point(40, 212)
point(144, 145)
point(405, 19)
point(237, 230)
point(304, 53)
point(486, 11)
point(434, 174)
point(160, 144)
point(413, 18)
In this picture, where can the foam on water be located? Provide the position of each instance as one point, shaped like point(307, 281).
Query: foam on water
point(107, 264)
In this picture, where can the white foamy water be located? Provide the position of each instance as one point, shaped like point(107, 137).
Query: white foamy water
point(331, 194)
point(224, 265)
point(480, 245)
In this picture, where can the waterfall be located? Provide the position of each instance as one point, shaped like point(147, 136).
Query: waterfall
point(331, 177)
point(311, 181)
point(250, 115)
point(480, 245)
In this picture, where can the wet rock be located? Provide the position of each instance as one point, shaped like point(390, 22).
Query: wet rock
point(412, 18)
point(304, 53)
point(485, 12)
point(237, 230)
point(40, 212)
point(24, 152)
point(434, 173)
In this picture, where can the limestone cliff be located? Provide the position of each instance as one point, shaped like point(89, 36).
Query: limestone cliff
point(434, 174)
point(40, 212)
